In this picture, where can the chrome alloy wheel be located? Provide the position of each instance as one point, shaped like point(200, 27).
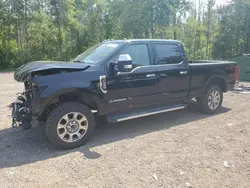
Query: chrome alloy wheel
point(72, 127)
point(214, 99)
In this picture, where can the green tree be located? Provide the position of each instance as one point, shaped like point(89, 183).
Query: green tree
point(61, 29)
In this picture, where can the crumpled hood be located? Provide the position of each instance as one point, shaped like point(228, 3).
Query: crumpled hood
point(23, 71)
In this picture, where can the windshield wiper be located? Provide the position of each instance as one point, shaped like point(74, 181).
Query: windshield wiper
point(78, 61)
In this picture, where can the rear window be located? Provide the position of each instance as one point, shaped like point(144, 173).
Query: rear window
point(168, 54)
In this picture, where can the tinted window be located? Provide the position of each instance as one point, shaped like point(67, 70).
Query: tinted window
point(138, 53)
point(168, 54)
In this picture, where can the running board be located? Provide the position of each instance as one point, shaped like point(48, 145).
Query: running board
point(143, 113)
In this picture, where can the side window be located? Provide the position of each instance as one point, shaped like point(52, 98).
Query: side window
point(139, 54)
point(168, 54)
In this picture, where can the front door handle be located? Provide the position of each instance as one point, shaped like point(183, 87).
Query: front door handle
point(150, 75)
point(183, 72)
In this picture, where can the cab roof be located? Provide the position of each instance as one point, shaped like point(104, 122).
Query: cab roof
point(144, 40)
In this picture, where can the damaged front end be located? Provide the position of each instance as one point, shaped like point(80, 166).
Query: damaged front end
point(22, 109)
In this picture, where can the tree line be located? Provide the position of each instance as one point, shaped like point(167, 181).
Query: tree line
point(61, 29)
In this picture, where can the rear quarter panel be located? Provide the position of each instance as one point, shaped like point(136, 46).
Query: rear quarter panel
point(203, 72)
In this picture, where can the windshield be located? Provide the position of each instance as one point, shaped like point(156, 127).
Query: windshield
point(98, 52)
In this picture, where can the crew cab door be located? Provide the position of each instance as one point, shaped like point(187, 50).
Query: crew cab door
point(136, 87)
point(172, 72)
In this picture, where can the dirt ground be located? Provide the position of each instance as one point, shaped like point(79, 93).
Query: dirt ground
point(178, 149)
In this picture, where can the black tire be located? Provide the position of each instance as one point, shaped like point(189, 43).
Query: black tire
point(204, 102)
point(55, 116)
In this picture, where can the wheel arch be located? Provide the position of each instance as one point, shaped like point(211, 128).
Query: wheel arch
point(80, 97)
point(220, 81)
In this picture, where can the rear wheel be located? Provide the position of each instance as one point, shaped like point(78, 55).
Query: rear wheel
point(212, 100)
point(70, 125)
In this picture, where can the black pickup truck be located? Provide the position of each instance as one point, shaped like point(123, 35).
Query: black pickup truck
point(119, 80)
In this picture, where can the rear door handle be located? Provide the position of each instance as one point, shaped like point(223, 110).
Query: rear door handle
point(183, 72)
point(150, 75)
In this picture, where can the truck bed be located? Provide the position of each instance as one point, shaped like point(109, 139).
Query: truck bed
point(202, 70)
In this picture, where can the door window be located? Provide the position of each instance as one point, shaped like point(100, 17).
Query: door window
point(139, 54)
point(168, 54)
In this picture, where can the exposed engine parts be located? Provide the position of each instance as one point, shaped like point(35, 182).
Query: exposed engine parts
point(21, 110)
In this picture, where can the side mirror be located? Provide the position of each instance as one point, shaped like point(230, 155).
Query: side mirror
point(124, 63)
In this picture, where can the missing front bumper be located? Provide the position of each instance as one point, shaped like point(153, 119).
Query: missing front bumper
point(21, 112)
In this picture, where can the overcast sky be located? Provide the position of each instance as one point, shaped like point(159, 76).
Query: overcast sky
point(220, 2)
point(217, 2)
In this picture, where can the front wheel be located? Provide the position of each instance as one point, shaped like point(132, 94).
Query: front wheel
point(212, 100)
point(69, 125)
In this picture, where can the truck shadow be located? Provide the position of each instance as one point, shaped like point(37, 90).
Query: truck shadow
point(24, 147)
